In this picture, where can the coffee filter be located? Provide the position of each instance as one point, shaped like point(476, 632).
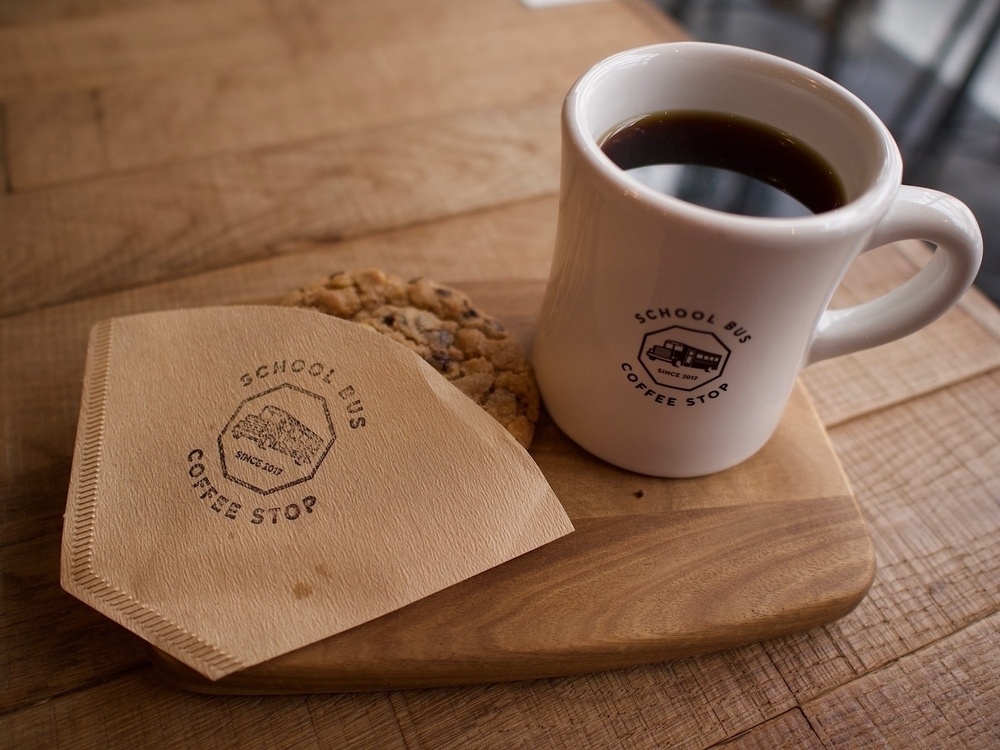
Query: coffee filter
point(249, 480)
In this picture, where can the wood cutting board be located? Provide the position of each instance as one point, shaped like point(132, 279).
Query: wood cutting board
point(657, 569)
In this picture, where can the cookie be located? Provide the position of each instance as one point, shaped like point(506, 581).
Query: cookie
point(468, 347)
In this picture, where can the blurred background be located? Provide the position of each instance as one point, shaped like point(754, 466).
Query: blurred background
point(929, 68)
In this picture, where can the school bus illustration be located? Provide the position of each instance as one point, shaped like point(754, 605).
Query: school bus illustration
point(276, 429)
point(680, 354)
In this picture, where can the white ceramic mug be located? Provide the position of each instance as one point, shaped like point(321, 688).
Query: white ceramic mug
point(671, 335)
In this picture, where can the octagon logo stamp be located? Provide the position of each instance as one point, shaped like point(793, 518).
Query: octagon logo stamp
point(276, 439)
point(683, 358)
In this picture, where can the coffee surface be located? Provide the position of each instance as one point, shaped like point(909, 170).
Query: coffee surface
point(725, 162)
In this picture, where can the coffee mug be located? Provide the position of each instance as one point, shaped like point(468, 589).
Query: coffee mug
point(671, 333)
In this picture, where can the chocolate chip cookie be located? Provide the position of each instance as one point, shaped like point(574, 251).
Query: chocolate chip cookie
point(471, 349)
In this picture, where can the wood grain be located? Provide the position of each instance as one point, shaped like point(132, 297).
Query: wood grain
point(4, 169)
point(40, 384)
point(785, 732)
point(623, 590)
point(36, 11)
point(76, 647)
point(113, 176)
point(303, 94)
point(39, 397)
point(135, 711)
point(40, 393)
point(227, 172)
point(947, 695)
point(921, 470)
point(791, 499)
point(223, 211)
point(90, 50)
point(656, 706)
point(956, 347)
point(656, 569)
point(653, 706)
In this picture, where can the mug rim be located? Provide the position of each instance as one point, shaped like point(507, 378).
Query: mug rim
point(874, 199)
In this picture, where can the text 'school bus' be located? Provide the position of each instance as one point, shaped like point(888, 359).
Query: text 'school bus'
point(682, 355)
point(278, 430)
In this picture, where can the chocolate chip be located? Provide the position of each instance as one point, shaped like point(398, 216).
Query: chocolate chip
point(440, 359)
point(442, 338)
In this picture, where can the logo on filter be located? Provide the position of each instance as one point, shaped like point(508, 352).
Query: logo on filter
point(683, 358)
point(276, 439)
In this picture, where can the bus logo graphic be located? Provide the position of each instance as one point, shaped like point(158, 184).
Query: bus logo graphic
point(683, 358)
point(276, 439)
point(682, 355)
point(276, 429)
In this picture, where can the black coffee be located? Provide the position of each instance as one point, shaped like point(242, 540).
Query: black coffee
point(725, 162)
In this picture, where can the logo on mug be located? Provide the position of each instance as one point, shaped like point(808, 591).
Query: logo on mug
point(683, 358)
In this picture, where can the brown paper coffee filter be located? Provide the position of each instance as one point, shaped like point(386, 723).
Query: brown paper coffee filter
point(250, 480)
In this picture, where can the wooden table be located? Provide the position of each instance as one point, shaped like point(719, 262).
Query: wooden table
point(181, 153)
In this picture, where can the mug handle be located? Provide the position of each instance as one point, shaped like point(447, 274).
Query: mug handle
point(918, 213)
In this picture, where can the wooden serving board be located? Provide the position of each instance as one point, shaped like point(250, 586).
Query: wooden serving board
point(657, 569)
